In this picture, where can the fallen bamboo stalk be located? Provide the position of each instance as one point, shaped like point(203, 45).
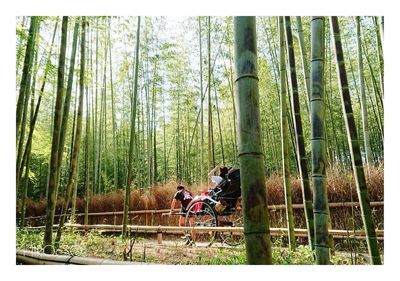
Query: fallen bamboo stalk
point(29, 257)
point(270, 207)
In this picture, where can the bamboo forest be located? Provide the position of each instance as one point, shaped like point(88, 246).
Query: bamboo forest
point(199, 140)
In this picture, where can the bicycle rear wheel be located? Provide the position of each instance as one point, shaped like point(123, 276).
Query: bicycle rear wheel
point(235, 219)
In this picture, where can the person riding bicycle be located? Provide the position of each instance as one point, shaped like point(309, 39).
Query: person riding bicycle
point(184, 197)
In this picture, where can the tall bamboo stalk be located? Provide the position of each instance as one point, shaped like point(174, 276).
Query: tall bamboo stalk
point(87, 167)
point(154, 129)
point(27, 68)
point(211, 154)
point(32, 126)
point(28, 159)
point(219, 123)
point(22, 158)
point(89, 109)
point(77, 141)
point(201, 108)
point(51, 197)
point(132, 136)
point(285, 136)
point(230, 80)
point(255, 213)
point(367, 146)
point(67, 101)
point(104, 161)
point(354, 145)
point(306, 72)
point(377, 91)
point(165, 144)
point(318, 142)
point(380, 54)
point(301, 153)
point(113, 113)
point(20, 44)
point(96, 139)
point(24, 93)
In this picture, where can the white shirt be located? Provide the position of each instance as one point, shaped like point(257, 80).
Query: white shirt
point(216, 179)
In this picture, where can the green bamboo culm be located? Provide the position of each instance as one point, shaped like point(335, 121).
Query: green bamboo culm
point(77, 142)
point(306, 72)
point(367, 145)
point(255, 212)
point(285, 137)
point(27, 69)
point(132, 137)
point(354, 145)
point(24, 93)
point(32, 126)
point(67, 102)
point(318, 151)
point(52, 185)
point(298, 129)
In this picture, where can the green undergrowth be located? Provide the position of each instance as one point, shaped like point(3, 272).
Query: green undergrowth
point(96, 244)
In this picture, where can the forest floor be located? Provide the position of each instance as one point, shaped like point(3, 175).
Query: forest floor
point(172, 252)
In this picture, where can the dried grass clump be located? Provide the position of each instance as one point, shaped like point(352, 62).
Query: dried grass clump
point(375, 183)
point(109, 202)
point(340, 186)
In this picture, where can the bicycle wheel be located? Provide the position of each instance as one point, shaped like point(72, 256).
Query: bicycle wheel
point(201, 214)
point(235, 219)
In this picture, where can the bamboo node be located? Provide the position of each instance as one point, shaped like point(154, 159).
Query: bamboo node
point(247, 75)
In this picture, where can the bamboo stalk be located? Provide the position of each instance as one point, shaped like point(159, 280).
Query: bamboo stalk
point(354, 145)
point(52, 183)
point(132, 134)
point(367, 146)
point(285, 142)
point(298, 128)
point(251, 158)
point(29, 257)
point(318, 142)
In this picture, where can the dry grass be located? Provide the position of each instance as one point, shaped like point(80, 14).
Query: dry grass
point(340, 185)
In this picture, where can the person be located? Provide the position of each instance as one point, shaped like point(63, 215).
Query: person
point(223, 172)
point(219, 181)
point(184, 197)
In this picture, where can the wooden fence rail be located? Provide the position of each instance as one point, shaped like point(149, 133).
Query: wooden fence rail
point(177, 230)
point(270, 207)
